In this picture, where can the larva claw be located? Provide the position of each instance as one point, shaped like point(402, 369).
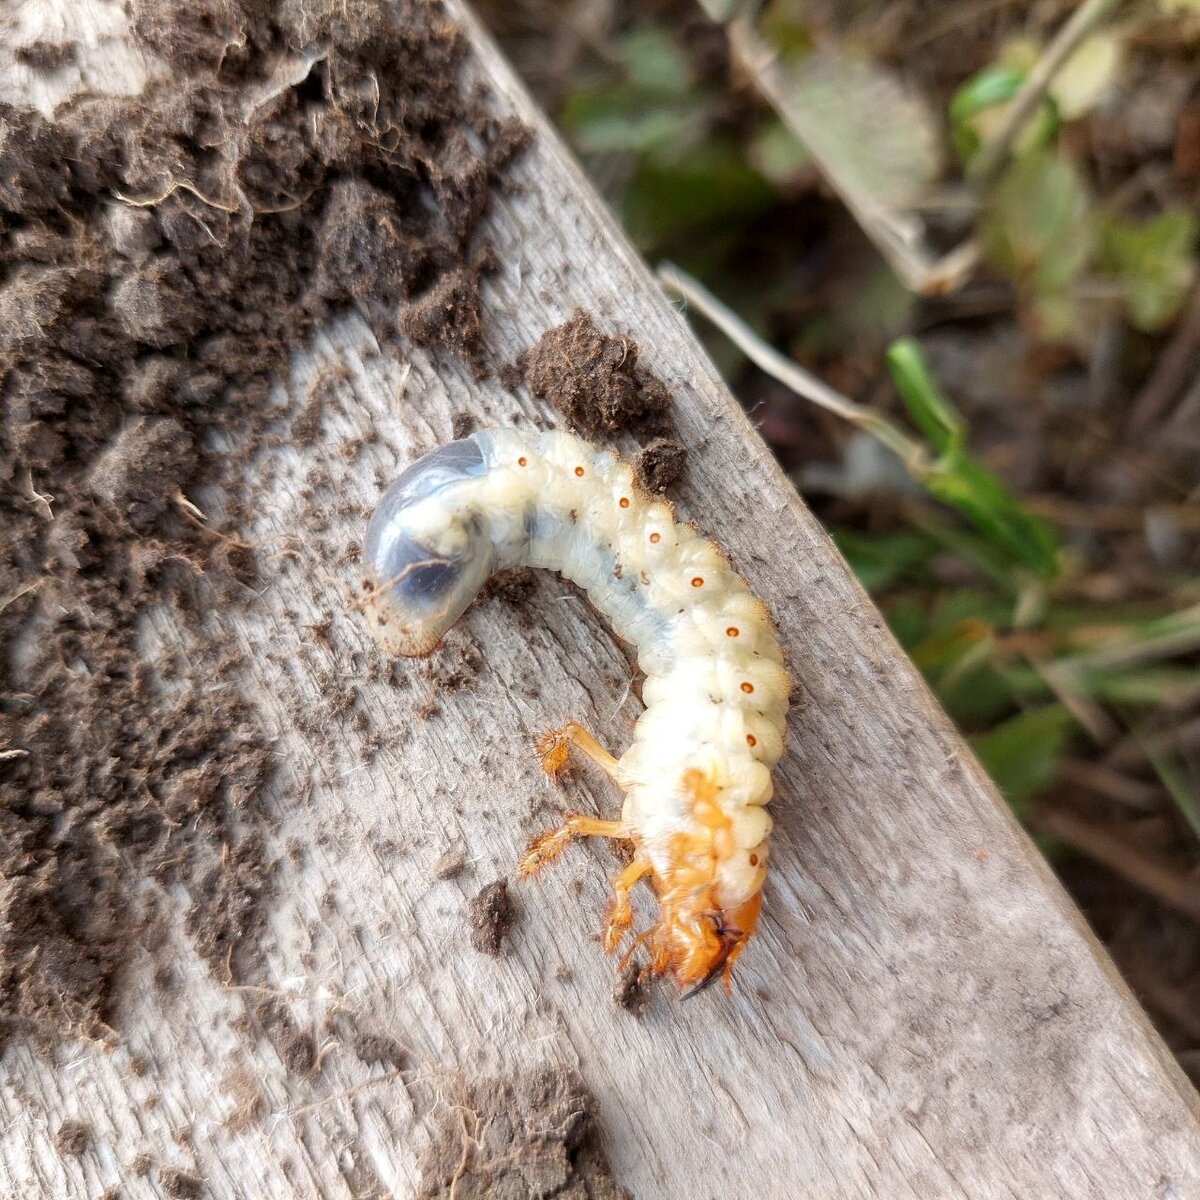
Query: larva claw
point(620, 912)
point(555, 752)
point(544, 848)
point(554, 746)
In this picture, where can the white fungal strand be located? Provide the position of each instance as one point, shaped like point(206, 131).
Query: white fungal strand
point(697, 775)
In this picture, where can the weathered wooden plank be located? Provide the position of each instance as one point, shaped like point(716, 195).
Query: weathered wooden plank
point(923, 1013)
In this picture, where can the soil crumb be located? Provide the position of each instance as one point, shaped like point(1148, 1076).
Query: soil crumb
point(138, 338)
point(523, 1138)
point(46, 56)
point(513, 586)
point(660, 464)
point(630, 991)
point(72, 1138)
point(594, 379)
point(181, 1185)
point(490, 915)
point(371, 1048)
point(450, 864)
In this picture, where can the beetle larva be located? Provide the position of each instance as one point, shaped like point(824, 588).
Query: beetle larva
point(697, 776)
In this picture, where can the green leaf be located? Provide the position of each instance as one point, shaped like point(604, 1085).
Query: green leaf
point(1156, 264)
point(993, 85)
point(1088, 74)
point(709, 186)
point(958, 479)
point(1176, 777)
point(1037, 230)
point(1154, 687)
point(1037, 224)
point(978, 109)
point(777, 154)
point(870, 133)
point(604, 122)
point(975, 694)
point(720, 10)
point(879, 560)
point(655, 64)
point(946, 647)
point(934, 415)
point(906, 619)
point(971, 546)
point(1022, 753)
point(787, 25)
point(648, 104)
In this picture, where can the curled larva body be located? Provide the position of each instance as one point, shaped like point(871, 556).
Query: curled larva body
point(697, 775)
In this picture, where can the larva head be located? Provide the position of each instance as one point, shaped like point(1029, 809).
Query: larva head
point(708, 912)
point(702, 942)
point(424, 556)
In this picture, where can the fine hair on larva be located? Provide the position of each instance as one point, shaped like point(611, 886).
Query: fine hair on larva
point(697, 776)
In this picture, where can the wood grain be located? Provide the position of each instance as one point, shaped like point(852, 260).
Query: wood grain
point(923, 1014)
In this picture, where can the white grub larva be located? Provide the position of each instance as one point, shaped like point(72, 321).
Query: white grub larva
point(697, 775)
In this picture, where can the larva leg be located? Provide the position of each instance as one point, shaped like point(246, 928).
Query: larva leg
point(620, 914)
point(554, 747)
point(550, 845)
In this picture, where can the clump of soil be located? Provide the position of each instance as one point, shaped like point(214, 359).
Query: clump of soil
point(513, 586)
point(660, 464)
point(371, 1048)
point(629, 991)
point(181, 1185)
point(525, 1138)
point(490, 915)
point(72, 1138)
point(160, 256)
point(451, 864)
point(594, 379)
point(46, 56)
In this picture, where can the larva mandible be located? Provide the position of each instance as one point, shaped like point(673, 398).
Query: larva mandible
point(698, 774)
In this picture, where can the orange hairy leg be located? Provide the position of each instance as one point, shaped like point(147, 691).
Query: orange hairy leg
point(620, 913)
point(555, 748)
point(548, 846)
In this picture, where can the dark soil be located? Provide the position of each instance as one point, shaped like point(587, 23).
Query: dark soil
point(72, 1138)
point(45, 56)
point(519, 1139)
point(594, 379)
point(451, 864)
point(629, 991)
point(490, 915)
point(513, 586)
point(181, 1185)
point(159, 258)
point(660, 464)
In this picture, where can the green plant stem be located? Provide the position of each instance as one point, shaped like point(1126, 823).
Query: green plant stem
point(791, 374)
point(1176, 633)
point(1083, 20)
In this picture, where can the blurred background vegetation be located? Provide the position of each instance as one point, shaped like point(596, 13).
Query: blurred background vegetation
point(977, 223)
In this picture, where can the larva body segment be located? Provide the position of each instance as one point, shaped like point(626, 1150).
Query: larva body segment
point(697, 775)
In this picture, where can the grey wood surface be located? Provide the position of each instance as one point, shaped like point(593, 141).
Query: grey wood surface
point(923, 1013)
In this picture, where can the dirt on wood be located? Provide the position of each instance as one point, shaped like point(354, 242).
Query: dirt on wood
point(181, 1185)
point(594, 379)
point(72, 1138)
point(525, 1138)
point(160, 258)
point(490, 915)
point(629, 992)
point(660, 464)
